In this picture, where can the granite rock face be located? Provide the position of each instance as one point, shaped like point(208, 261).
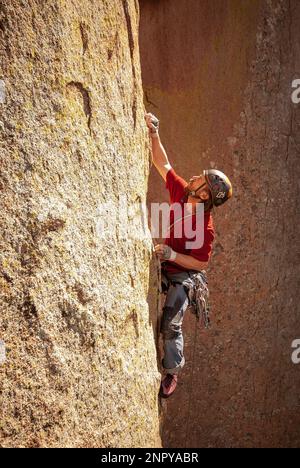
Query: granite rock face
point(219, 76)
point(80, 368)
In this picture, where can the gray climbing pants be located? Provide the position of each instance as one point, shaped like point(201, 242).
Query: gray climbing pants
point(175, 305)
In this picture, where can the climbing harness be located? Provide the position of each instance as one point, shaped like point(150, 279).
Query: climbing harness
point(196, 286)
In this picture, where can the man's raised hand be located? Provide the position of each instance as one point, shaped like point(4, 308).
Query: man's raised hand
point(152, 123)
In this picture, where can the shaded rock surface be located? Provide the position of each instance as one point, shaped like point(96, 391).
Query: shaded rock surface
point(80, 365)
point(218, 74)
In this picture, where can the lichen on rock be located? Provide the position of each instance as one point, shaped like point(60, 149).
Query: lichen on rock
point(80, 368)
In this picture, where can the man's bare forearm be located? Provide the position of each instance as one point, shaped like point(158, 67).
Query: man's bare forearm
point(165, 252)
point(187, 261)
point(159, 155)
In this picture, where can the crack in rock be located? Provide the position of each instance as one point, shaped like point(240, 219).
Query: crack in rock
point(131, 48)
point(86, 102)
point(84, 37)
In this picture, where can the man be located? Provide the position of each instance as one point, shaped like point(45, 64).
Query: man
point(183, 267)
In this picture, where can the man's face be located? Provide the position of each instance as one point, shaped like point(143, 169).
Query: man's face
point(199, 185)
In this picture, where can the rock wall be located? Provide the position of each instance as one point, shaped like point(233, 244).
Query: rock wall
point(219, 76)
point(80, 366)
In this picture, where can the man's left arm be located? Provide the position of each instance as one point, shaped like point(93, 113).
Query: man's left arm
point(165, 252)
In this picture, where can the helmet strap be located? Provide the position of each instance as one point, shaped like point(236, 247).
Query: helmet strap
point(193, 192)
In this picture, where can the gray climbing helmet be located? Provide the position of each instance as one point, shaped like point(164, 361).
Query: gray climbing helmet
point(219, 185)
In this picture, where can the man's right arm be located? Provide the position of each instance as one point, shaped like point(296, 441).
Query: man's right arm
point(159, 155)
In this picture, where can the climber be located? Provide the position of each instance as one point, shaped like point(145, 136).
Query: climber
point(183, 274)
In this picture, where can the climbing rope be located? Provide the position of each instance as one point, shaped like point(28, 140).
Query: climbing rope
point(158, 311)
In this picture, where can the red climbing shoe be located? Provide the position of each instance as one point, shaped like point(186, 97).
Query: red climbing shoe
point(168, 385)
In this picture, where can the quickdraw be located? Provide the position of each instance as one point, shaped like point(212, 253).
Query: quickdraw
point(198, 295)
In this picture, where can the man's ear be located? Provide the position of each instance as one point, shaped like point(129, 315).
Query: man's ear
point(205, 195)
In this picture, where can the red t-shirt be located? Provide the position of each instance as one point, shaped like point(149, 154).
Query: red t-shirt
point(176, 184)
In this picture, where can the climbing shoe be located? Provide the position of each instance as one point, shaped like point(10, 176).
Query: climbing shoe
point(168, 385)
